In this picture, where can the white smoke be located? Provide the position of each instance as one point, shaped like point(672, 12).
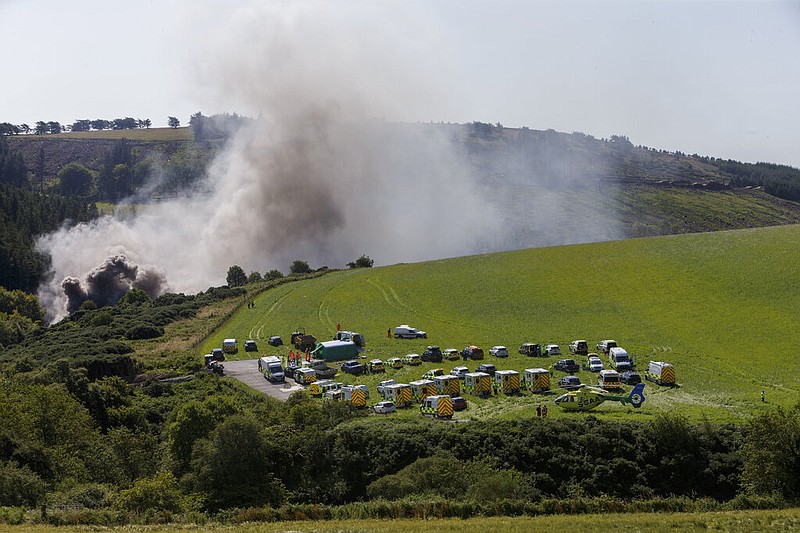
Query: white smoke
point(318, 177)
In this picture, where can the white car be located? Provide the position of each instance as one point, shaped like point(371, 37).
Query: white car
point(594, 364)
point(498, 351)
point(459, 372)
point(385, 407)
point(552, 349)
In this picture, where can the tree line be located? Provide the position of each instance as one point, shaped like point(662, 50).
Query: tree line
point(45, 127)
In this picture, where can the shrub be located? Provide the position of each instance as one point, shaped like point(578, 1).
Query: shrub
point(20, 485)
point(144, 331)
point(151, 495)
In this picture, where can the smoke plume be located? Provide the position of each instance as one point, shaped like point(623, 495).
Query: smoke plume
point(325, 173)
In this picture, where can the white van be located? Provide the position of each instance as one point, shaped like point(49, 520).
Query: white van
point(619, 359)
point(407, 332)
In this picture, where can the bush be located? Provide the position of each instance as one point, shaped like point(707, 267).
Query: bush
point(20, 485)
point(144, 331)
point(12, 515)
point(151, 495)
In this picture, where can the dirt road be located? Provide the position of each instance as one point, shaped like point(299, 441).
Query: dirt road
point(247, 372)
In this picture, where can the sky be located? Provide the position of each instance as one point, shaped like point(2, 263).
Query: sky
point(713, 78)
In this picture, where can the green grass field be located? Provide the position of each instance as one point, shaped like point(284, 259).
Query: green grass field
point(733, 521)
point(721, 307)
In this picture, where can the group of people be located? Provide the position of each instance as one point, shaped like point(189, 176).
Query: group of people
point(295, 358)
point(541, 411)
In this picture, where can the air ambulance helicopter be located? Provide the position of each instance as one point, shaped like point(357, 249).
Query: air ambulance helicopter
point(586, 398)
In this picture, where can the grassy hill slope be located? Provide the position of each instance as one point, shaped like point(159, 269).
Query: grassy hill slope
point(721, 307)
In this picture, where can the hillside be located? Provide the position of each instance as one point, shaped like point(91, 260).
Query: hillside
point(719, 306)
point(625, 190)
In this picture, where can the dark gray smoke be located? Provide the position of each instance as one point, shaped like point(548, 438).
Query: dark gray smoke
point(108, 282)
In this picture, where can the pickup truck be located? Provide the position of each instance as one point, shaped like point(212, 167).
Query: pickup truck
point(567, 365)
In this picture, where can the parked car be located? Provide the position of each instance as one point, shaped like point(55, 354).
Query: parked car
point(385, 407)
point(394, 362)
point(430, 374)
point(579, 347)
point(275, 341)
point(472, 352)
point(459, 403)
point(567, 365)
point(569, 382)
point(459, 372)
point(352, 367)
point(593, 364)
point(498, 351)
point(488, 368)
point(604, 346)
point(412, 359)
point(376, 366)
point(552, 349)
point(432, 354)
point(218, 354)
point(629, 377)
point(451, 354)
point(250, 346)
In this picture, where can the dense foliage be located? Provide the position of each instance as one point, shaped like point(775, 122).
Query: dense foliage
point(23, 216)
point(97, 340)
point(208, 444)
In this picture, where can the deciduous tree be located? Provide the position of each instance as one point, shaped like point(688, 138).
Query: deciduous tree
point(236, 276)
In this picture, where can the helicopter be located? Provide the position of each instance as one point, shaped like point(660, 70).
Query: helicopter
point(586, 398)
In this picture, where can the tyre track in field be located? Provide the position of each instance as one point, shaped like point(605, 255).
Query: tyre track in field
point(323, 309)
point(261, 323)
point(394, 301)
